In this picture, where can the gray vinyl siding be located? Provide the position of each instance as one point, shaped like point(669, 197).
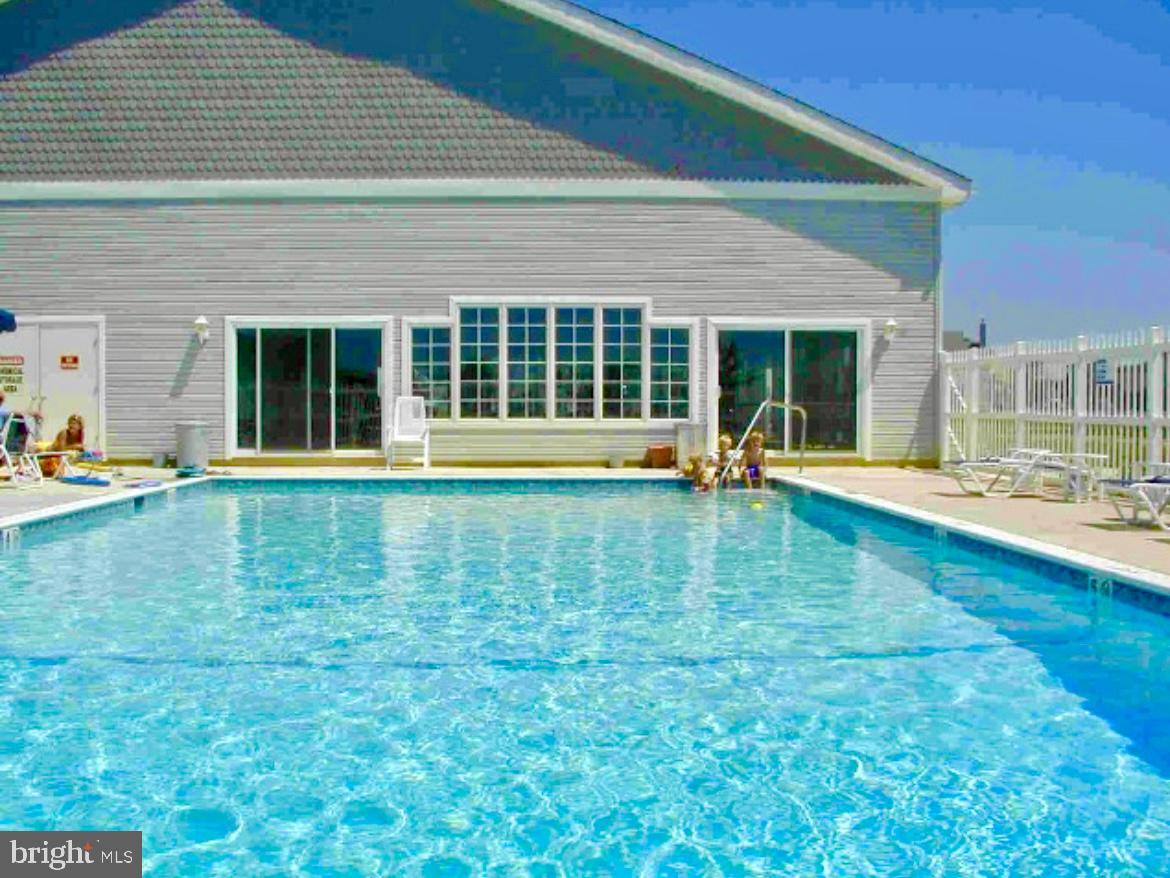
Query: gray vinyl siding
point(152, 268)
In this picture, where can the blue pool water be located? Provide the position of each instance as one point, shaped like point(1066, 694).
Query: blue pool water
point(544, 679)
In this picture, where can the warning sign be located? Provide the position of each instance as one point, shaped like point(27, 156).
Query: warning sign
point(11, 373)
point(70, 361)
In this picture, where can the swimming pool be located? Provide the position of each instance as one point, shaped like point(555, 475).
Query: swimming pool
point(555, 678)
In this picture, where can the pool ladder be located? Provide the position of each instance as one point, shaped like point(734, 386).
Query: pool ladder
point(764, 406)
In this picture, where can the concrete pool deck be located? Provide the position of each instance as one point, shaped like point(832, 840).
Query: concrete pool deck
point(1091, 528)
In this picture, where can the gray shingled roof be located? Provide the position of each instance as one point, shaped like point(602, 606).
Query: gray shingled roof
point(207, 91)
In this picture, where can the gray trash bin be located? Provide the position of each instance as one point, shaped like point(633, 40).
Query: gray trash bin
point(191, 443)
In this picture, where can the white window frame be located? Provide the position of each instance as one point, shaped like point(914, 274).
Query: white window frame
point(230, 352)
point(862, 326)
point(406, 367)
point(550, 303)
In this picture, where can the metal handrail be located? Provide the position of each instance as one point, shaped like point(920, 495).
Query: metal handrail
point(768, 403)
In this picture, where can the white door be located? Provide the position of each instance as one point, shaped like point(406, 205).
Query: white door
point(20, 367)
point(70, 378)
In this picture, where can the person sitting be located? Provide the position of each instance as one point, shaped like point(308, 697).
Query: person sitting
point(71, 439)
point(5, 411)
point(724, 457)
point(755, 464)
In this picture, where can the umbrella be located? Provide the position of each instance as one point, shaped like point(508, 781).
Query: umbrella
point(7, 321)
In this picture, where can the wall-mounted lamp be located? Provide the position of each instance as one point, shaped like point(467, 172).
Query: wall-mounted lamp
point(890, 329)
point(202, 329)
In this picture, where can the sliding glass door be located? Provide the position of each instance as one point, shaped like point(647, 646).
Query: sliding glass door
point(751, 369)
point(308, 389)
point(824, 381)
point(815, 369)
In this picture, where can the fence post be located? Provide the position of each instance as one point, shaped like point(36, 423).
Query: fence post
point(1020, 392)
point(971, 425)
point(1155, 383)
point(1080, 396)
point(944, 427)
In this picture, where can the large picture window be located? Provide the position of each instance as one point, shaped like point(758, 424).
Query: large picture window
point(430, 368)
point(621, 365)
point(534, 360)
point(527, 362)
point(574, 363)
point(479, 362)
point(670, 372)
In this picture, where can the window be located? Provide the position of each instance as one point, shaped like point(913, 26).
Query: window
point(574, 358)
point(621, 365)
point(670, 372)
point(527, 362)
point(479, 362)
point(824, 381)
point(430, 368)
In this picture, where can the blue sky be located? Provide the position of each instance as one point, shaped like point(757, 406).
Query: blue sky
point(1060, 115)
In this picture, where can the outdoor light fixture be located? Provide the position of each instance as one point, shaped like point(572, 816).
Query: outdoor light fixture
point(202, 329)
point(890, 329)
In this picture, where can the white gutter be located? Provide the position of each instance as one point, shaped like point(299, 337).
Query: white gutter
point(438, 189)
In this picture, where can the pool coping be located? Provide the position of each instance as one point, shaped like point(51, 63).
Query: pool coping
point(1092, 565)
point(92, 504)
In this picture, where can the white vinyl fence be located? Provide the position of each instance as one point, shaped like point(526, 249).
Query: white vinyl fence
point(1099, 394)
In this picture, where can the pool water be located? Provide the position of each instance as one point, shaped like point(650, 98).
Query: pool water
point(566, 679)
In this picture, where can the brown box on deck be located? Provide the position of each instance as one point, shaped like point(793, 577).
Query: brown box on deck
point(660, 456)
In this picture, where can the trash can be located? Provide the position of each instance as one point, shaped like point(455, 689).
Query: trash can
point(191, 444)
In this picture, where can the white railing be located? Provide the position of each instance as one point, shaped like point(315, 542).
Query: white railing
point(1104, 394)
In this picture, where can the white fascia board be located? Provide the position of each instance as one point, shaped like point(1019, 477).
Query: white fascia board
point(459, 189)
point(955, 188)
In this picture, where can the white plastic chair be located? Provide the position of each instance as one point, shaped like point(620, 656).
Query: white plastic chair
point(409, 425)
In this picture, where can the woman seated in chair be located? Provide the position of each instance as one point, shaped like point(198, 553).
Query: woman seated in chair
point(72, 438)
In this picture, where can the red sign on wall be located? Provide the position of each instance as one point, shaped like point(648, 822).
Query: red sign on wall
point(70, 361)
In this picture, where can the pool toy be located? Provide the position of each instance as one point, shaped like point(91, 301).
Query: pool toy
point(756, 504)
point(187, 472)
point(145, 483)
point(84, 480)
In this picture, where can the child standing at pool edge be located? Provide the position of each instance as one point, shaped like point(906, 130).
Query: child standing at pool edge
point(755, 465)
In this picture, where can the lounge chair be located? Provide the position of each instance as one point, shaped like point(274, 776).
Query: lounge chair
point(1021, 470)
point(16, 460)
point(1141, 502)
point(409, 425)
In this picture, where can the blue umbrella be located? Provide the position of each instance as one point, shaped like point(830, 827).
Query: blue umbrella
point(7, 321)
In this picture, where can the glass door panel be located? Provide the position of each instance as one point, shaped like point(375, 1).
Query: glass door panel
point(284, 389)
point(246, 388)
point(358, 407)
point(748, 358)
point(320, 382)
point(824, 381)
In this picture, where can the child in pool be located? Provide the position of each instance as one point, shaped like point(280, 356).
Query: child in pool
point(755, 466)
point(701, 471)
